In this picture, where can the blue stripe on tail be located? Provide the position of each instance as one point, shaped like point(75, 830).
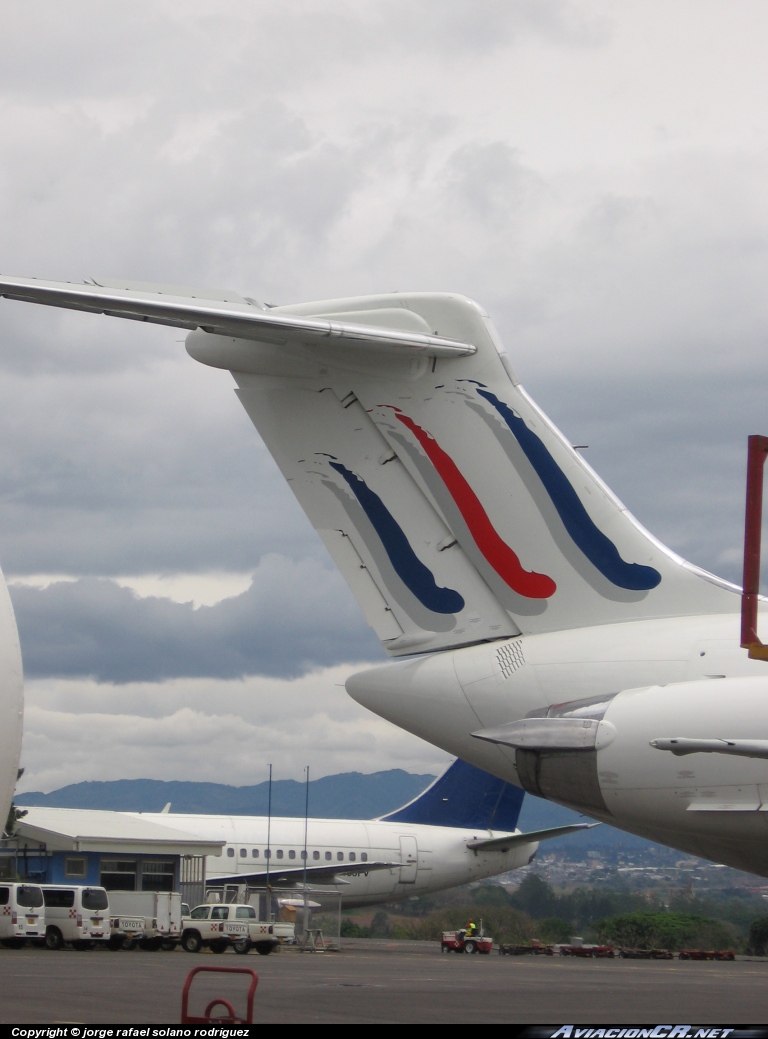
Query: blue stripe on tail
point(464, 796)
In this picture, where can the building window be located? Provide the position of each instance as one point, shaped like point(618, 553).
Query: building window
point(119, 874)
point(75, 868)
point(158, 875)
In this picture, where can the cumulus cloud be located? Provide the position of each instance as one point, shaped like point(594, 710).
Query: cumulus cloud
point(221, 731)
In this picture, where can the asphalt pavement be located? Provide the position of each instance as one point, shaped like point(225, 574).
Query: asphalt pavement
point(380, 982)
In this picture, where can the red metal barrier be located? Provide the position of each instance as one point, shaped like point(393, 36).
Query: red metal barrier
point(753, 523)
point(186, 1019)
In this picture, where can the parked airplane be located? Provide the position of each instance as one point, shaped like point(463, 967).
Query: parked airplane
point(551, 640)
point(11, 702)
point(463, 827)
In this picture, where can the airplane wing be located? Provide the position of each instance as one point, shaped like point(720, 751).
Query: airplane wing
point(315, 874)
point(227, 315)
point(513, 839)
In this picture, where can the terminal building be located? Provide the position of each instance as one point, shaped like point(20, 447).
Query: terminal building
point(114, 851)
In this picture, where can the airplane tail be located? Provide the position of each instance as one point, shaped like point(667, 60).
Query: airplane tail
point(455, 510)
point(464, 796)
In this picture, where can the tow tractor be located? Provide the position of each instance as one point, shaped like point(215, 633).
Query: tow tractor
point(459, 941)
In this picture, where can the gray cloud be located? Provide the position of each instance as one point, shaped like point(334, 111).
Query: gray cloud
point(295, 617)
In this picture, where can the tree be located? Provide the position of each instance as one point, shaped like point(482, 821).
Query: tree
point(758, 937)
point(649, 930)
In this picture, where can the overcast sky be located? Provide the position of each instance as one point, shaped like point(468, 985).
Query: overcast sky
point(593, 172)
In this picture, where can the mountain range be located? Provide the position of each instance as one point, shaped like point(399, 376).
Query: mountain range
point(349, 795)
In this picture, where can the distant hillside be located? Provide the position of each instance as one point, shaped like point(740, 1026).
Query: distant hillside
point(350, 795)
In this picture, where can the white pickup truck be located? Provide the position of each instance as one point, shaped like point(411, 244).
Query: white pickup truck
point(220, 926)
point(151, 918)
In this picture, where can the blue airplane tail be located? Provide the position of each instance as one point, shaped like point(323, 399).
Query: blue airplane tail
point(464, 796)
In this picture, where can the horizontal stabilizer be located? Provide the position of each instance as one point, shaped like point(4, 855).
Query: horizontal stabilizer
point(680, 745)
point(315, 874)
point(513, 840)
point(236, 317)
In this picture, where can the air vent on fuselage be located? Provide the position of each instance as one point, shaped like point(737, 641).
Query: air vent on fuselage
point(510, 657)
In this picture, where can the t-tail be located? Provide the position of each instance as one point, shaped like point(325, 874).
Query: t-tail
point(455, 510)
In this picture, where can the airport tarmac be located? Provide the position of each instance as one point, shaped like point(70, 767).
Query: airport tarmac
point(382, 982)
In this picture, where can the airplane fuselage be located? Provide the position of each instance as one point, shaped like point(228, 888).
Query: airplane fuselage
point(433, 857)
point(682, 676)
point(11, 702)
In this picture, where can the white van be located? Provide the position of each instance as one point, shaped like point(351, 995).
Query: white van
point(21, 914)
point(75, 914)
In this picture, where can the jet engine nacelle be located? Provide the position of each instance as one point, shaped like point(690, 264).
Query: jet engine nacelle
point(685, 764)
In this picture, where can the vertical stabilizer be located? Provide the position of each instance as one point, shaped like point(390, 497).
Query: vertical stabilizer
point(457, 512)
point(464, 796)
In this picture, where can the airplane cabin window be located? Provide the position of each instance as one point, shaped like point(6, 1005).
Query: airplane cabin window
point(279, 853)
point(243, 853)
point(315, 855)
point(328, 856)
point(352, 856)
point(255, 853)
point(303, 854)
point(364, 856)
point(230, 853)
point(340, 856)
point(291, 854)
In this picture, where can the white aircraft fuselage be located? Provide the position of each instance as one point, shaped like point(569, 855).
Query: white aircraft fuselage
point(11, 702)
point(432, 857)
